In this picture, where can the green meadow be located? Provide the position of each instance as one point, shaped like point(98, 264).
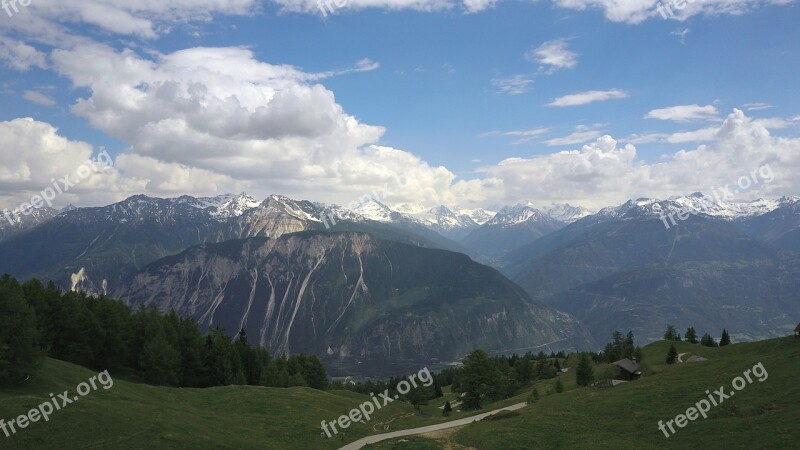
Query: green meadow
point(132, 415)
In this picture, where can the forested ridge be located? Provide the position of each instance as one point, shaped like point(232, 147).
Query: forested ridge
point(38, 320)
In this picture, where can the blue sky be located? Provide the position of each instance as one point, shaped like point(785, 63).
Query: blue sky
point(432, 81)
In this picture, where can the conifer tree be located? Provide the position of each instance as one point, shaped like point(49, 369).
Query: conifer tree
point(725, 339)
point(672, 355)
point(584, 373)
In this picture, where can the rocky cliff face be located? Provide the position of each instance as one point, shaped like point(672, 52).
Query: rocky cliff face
point(351, 298)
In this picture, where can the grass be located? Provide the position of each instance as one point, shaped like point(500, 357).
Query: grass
point(761, 415)
point(131, 415)
point(134, 415)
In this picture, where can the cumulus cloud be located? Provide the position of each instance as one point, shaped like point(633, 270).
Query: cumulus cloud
point(554, 55)
point(601, 173)
point(200, 118)
point(20, 56)
point(684, 113)
point(604, 172)
point(34, 155)
point(586, 97)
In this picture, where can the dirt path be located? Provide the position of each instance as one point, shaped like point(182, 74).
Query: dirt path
point(680, 357)
point(421, 430)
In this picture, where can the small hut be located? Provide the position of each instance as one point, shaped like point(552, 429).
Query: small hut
point(628, 369)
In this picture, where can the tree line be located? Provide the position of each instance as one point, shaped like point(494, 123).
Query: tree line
point(100, 333)
point(671, 334)
point(482, 379)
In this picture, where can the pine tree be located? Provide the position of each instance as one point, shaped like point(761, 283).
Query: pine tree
point(670, 334)
point(628, 348)
point(437, 389)
point(447, 409)
point(477, 378)
point(725, 339)
point(672, 355)
point(314, 372)
point(691, 336)
point(708, 341)
point(584, 373)
point(160, 360)
point(19, 339)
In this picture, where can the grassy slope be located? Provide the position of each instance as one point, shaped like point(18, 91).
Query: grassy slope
point(138, 416)
point(133, 415)
point(762, 415)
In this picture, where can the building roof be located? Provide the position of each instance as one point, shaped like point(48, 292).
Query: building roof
point(628, 366)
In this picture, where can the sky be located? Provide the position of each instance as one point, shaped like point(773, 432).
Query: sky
point(473, 103)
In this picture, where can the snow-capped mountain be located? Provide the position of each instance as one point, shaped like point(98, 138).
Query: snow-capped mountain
point(519, 213)
point(374, 210)
point(454, 223)
point(511, 227)
point(566, 213)
point(478, 215)
point(225, 206)
point(696, 203)
point(12, 223)
point(780, 226)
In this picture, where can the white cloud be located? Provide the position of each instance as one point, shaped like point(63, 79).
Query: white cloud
point(516, 85)
point(756, 106)
point(20, 56)
point(586, 97)
point(204, 120)
point(364, 65)
point(681, 33)
point(685, 113)
point(518, 133)
point(598, 174)
point(474, 6)
point(581, 135)
point(554, 55)
point(144, 18)
point(604, 173)
point(637, 11)
point(34, 154)
point(646, 138)
point(313, 6)
point(522, 136)
point(778, 123)
point(704, 134)
point(38, 97)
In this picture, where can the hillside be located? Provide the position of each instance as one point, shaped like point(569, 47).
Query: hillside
point(365, 305)
point(761, 415)
point(632, 273)
point(129, 415)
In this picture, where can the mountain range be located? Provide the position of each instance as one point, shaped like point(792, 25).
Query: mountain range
point(689, 261)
